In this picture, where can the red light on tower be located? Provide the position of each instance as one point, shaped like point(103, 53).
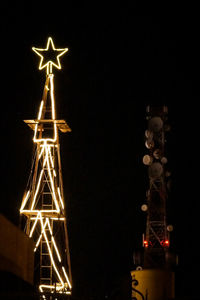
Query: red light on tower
point(145, 244)
point(166, 243)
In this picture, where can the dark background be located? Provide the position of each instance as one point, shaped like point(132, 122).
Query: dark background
point(119, 61)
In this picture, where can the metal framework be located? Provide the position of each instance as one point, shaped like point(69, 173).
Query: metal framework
point(43, 203)
point(156, 239)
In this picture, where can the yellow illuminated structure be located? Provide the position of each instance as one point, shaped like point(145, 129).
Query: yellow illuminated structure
point(47, 62)
point(153, 284)
point(43, 203)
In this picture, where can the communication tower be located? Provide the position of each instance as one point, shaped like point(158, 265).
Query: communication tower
point(153, 278)
point(156, 240)
point(43, 204)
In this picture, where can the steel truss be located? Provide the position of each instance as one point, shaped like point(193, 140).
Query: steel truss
point(43, 203)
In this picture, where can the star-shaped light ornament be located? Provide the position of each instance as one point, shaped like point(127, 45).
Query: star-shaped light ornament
point(50, 56)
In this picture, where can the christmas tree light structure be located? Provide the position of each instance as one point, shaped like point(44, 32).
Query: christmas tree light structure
point(43, 204)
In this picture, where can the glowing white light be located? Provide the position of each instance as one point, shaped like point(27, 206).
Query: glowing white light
point(40, 110)
point(33, 227)
point(37, 189)
point(53, 188)
point(46, 174)
point(24, 201)
point(50, 253)
point(51, 159)
point(41, 152)
point(38, 241)
point(52, 96)
point(54, 139)
point(60, 198)
point(41, 52)
point(35, 211)
point(55, 246)
point(66, 277)
point(47, 220)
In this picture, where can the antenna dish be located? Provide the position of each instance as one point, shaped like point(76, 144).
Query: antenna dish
point(155, 124)
point(147, 160)
point(164, 160)
point(149, 143)
point(157, 153)
point(144, 207)
point(170, 228)
point(155, 170)
point(148, 134)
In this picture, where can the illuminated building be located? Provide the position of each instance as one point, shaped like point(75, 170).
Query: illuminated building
point(43, 203)
point(16, 261)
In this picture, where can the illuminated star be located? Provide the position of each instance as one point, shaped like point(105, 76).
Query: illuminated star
point(49, 56)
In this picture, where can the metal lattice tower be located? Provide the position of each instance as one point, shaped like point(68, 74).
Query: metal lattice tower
point(43, 204)
point(156, 239)
point(153, 277)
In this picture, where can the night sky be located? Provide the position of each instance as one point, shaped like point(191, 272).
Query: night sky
point(118, 62)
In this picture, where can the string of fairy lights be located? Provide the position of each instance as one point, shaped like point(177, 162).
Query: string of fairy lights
point(39, 216)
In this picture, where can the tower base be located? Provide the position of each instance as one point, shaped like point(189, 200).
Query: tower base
point(153, 284)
